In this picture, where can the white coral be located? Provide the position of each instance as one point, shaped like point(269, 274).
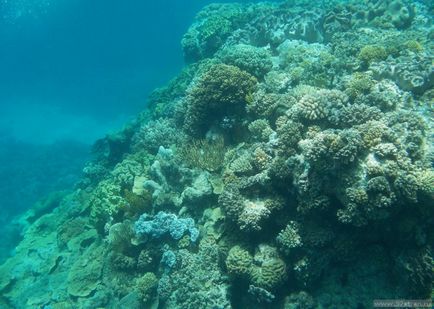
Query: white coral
point(253, 213)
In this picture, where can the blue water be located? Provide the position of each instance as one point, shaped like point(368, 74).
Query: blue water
point(78, 68)
point(71, 72)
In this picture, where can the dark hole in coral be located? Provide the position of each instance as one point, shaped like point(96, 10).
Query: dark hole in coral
point(87, 242)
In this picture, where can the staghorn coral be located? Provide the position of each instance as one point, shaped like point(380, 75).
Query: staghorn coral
point(204, 154)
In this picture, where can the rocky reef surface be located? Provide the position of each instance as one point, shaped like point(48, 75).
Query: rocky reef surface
point(289, 165)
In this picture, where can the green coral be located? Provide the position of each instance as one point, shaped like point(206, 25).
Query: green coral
point(299, 140)
point(414, 46)
point(372, 53)
point(289, 238)
point(220, 92)
point(260, 129)
point(263, 104)
point(239, 262)
point(255, 60)
point(359, 83)
point(147, 287)
point(107, 204)
point(212, 27)
point(269, 271)
point(204, 154)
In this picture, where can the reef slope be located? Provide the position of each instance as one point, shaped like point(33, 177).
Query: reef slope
point(289, 165)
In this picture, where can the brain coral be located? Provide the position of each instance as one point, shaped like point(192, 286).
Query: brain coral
point(239, 262)
point(269, 271)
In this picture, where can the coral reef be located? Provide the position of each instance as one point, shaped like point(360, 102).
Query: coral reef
point(289, 165)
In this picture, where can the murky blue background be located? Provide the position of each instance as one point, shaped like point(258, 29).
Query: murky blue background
point(71, 71)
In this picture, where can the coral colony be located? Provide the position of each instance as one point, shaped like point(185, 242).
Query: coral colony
point(289, 165)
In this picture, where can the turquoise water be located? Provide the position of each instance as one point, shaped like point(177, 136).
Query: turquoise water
point(200, 155)
point(73, 71)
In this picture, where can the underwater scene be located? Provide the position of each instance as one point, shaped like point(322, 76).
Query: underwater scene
point(204, 155)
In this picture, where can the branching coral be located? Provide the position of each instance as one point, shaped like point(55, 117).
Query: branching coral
point(322, 104)
point(204, 154)
point(371, 53)
point(290, 238)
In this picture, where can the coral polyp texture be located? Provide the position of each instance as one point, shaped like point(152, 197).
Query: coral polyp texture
point(289, 165)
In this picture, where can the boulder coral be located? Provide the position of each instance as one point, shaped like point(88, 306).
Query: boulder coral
point(219, 94)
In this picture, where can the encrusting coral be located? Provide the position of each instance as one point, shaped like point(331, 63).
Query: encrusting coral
point(289, 165)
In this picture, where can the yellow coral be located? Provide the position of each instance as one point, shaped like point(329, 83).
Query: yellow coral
point(239, 262)
point(371, 53)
